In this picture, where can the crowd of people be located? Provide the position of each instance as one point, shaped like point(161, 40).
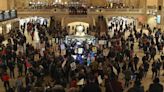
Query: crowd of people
point(79, 10)
point(109, 5)
point(48, 67)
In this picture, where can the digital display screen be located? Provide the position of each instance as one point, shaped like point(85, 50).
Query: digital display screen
point(6, 15)
point(75, 56)
point(62, 46)
point(80, 51)
point(9, 14)
point(158, 19)
point(1, 16)
point(13, 14)
point(102, 42)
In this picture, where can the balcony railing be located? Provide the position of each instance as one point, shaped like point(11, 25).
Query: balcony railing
point(90, 11)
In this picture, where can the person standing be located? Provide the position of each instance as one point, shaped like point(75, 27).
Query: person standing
point(29, 79)
point(159, 64)
point(136, 60)
point(11, 66)
point(5, 79)
point(19, 84)
point(141, 72)
point(162, 60)
point(137, 87)
point(146, 68)
point(152, 52)
point(155, 86)
point(92, 86)
point(154, 69)
point(112, 85)
point(20, 66)
point(128, 74)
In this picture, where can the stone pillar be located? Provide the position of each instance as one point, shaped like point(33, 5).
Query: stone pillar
point(142, 3)
point(98, 2)
point(134, 3)
point(88, 2)
point(144, 10)
point(21, 4)
point(11, 4)
point(160, 12)
point(51, 1)
point(7, 4)
point(160, 6)
point(4, 5)
point(126, 2)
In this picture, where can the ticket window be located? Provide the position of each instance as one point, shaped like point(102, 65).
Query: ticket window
point(8, 28)
point(1, 30)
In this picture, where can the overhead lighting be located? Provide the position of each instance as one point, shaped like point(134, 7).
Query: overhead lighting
point(65, 3)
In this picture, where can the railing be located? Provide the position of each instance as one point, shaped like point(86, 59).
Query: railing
point(90, 11)
point(151, 7)
point(125, 10)
point(36, 10)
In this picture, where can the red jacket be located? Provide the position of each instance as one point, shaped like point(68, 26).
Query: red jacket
point(5, 77)
point(116, 86)
point(73, 84)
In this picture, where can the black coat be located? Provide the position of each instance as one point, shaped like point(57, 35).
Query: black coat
point(92, 87)
point(155, 87)
point(136, 89)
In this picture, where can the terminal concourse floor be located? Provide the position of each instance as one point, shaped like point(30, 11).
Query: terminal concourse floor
point(145, 82)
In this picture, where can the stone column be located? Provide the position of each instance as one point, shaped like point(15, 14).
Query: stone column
point(142, 3)
point(98, 2)
point(4, 5)
point(160, 12)
point(21, 4)
point(11, 4)
point(126, 2)
point(7, 4)
point(145, 9)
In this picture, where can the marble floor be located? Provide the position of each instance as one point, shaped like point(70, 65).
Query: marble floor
point(145, 82)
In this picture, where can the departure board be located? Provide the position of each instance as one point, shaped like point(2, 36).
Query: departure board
point(13, 14)
point(6, 15)
point(1, 16)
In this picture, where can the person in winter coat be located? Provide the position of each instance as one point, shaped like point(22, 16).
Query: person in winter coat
point(92, 86)
point(137, 87)
point(5, 79)
point(162, 60)
point(11, 66)
point(155, 86)
point(112, 85)
point(136, 60)
point(154, 70)
point(153, 52)
point(128, 74)
point(19, 84)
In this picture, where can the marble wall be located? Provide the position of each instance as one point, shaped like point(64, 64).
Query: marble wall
point(10, 4)
point(4, 4)
point(152, 2)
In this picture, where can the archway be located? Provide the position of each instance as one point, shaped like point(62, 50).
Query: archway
point(73, 25)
